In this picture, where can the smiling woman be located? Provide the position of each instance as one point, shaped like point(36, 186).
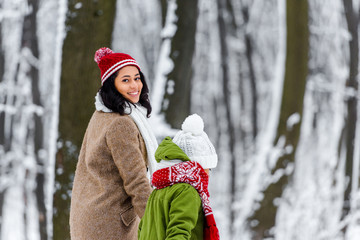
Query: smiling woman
point(111, 186)
point(124, 84)
point(129, 84)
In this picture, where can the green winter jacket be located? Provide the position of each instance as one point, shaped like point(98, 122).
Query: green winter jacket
point(174, 212)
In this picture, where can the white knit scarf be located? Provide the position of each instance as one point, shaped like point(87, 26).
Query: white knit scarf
point(138, 114)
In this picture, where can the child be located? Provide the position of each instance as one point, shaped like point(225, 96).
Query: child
point(179, 207)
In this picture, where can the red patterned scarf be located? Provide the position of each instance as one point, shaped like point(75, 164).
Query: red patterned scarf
point(192, 173)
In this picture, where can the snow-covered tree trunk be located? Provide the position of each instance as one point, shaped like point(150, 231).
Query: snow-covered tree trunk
point(29, 80)
point(352, 19)
point(29, 42)
point(249, 52)
point(288, 130)
point(227, 72)
point(176, 99)
point(227, 29)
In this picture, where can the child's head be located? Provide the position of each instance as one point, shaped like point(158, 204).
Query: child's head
point(195, 143)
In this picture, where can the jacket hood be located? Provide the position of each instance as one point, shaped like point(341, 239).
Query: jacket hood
point(168, 150)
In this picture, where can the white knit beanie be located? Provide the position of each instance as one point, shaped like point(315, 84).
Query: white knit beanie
point(195, 143)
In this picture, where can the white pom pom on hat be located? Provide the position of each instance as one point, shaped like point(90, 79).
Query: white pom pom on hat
point(195, 143)
point(193, 124)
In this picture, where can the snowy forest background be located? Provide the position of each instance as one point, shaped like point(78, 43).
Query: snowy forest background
point(276, 82)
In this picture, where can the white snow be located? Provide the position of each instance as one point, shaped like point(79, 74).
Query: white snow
point(311, 205)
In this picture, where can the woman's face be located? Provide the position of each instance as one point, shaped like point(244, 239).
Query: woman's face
point(128, 83)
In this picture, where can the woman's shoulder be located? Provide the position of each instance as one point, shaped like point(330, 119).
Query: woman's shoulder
point(114, 118)
point(123, 123)
point(115, 122)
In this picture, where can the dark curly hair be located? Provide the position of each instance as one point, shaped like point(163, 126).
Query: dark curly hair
point(116, 102)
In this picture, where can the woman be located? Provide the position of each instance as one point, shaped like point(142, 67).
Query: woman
point(111, 186)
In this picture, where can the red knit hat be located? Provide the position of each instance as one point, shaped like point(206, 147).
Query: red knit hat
point(110, 62)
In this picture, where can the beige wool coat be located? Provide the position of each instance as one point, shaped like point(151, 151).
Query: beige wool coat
point(110, 188)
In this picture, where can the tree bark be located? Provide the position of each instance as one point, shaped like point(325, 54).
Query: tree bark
point(2, 114)
point(227, 27)
point(29, 40)
point(89, 27)
point(296, 69)
point(176, 102)
point(2, 125)
point(249, 53)
point(352, 19)
point(164, 7)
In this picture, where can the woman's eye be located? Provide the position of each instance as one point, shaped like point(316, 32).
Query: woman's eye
point(137, 79)
point(125, 80)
